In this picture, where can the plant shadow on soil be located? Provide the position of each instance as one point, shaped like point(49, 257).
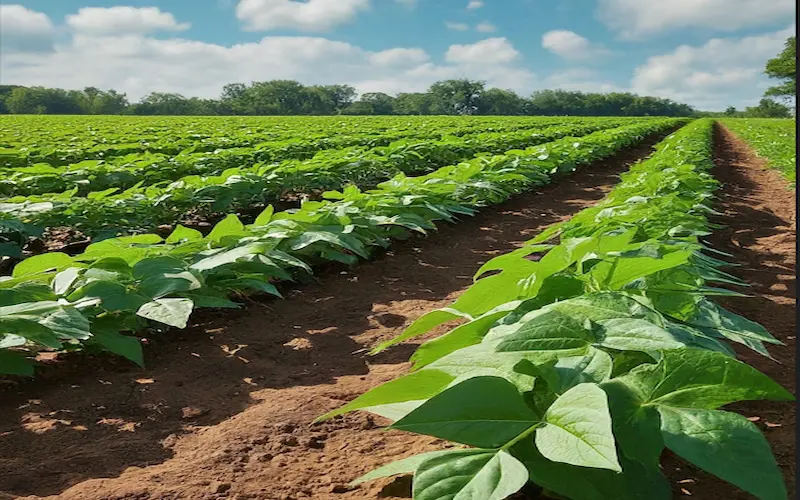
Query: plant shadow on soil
point(93, 417)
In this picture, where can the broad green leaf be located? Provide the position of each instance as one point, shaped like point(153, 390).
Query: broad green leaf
point(604, 306)
point(622, 270)
point(265, 216)
point(229, 226)
point(152, 266)
point(632, 334)
point(182, 234)
point(12, 363)
point(113, 296)
point(64, 280)
point(485, 412)
point(636, 482)
point(31, 330)
point(726, 445)
point(122, 345)
point(710, 315)
point(161, 285)
point(510, 259)
point(469, 475)
point(172, 312)
point(404, 466)
point(422, 325)
point(577, 430)
point(690, 378)
point(637, 427)
point(594, 367)
point(67, 323)
point(415, 386)
point(41, 263)
point(465, 335)
point(548, 331)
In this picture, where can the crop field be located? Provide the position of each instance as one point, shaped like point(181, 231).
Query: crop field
point(322, 307)
point(774, 140)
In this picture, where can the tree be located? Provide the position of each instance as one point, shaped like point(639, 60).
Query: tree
point(501, 102)
point(456, 97)
point(381, 104)
point(731, 111)
point(415, 103)
point(768, 108)
point(783, 68)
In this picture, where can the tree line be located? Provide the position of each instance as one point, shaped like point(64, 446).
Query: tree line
point(448, 97)
point(288, 97)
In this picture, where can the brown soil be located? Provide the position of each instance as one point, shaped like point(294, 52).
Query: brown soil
point(224, 407)
point(760, 233)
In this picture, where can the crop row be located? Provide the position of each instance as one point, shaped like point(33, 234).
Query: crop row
point(123, 285)
point(146, 169)
point(774, 140)
point(148, 207)
point(62, 144)
point(576, 369)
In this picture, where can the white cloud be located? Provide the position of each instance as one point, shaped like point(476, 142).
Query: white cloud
point(24, 30)
point(491, 51)
point(572, 46)
point(719, 73)
point(639, 18)
point(485, 27)
point(123, 20)
point(137, 64)
point(456, 26)
point(311, 16)
point(580, 79)
point(474, 4)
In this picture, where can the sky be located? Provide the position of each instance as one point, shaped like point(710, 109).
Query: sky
point(707, 53)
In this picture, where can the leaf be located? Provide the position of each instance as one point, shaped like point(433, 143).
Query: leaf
point(578, 430)
point(12, 363)
point(122, 345)
point(30, 330)
point(726, 445)
point(64, 280)
point(636, 482)
point(485, 412)
point(690, 378)
point(265, 216)
point(465, 335)
point(412, 387)
point(632, 334)
point(547, 330)
point(172, 312)
point(404, 466)
point(469, 475)
point(43, 262)
point(229, 226)
point(710, 315)
point(422, 325)
point(67, 323)
point(595, 367)
point(183, 234)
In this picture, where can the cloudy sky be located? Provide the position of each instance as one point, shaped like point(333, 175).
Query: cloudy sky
point(708, 53)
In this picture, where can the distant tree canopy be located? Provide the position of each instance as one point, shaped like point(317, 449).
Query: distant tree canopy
point(783, 68)
point(288, 97)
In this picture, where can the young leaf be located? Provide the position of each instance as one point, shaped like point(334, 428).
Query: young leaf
point(42, 263)
point(578, 430)
point(632, 334)
point(183, 234)
point(547, 330)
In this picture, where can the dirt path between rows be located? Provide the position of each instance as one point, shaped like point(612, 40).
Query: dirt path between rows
point(224, 409)
point(759, 212)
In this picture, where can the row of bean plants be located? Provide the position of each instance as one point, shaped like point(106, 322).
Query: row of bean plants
point(121, 286)
point(580, 357)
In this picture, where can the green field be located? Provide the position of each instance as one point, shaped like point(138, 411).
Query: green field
point(773, 139)
point(578, 358)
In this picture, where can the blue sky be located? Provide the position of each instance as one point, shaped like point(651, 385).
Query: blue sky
point(708, 53)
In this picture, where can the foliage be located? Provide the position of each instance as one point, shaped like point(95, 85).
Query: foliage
point(576, 370)
point(288, 97)
point(783, 67)
point(121, 285)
